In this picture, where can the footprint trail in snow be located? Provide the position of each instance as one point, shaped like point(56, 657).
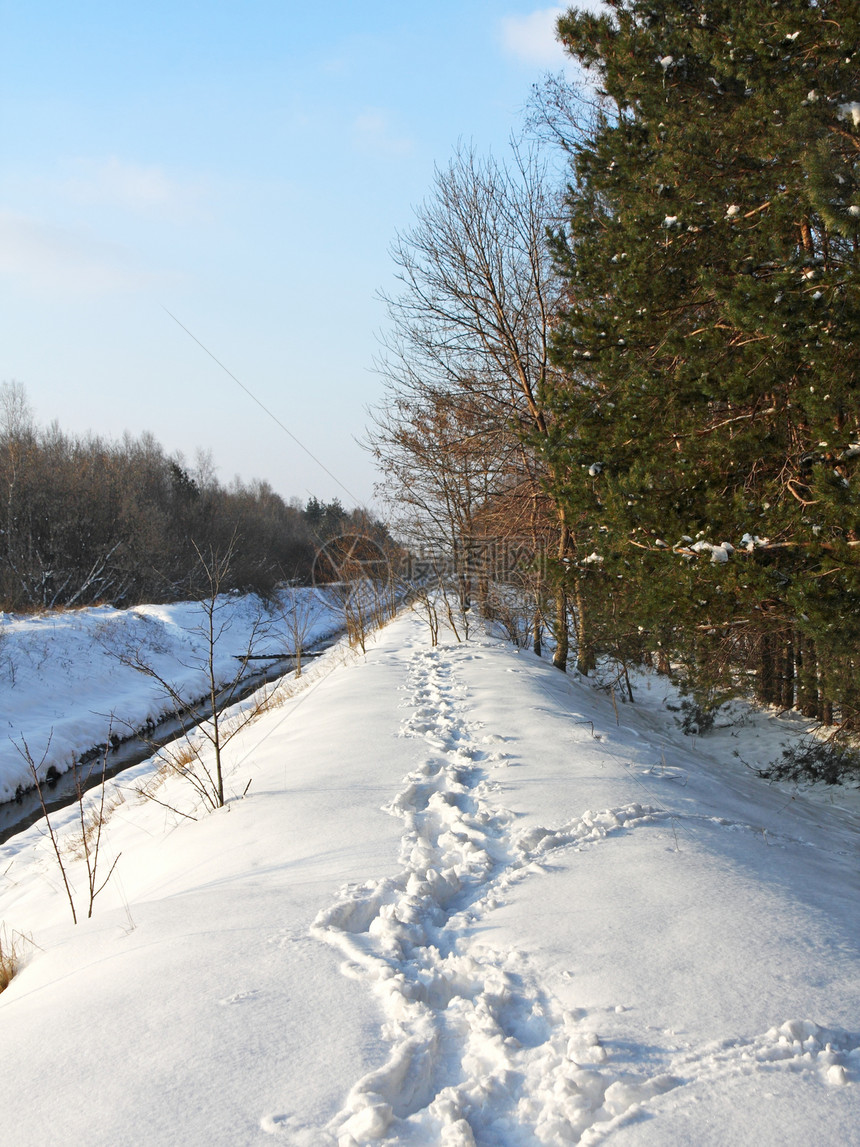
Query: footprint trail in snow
point(480, 1054)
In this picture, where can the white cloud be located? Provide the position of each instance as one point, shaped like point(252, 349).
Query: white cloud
point(372, 132)
point(46, 257)
point(129, 186)
point(532, 38)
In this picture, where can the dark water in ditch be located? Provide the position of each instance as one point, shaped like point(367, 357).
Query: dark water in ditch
point(16, 815)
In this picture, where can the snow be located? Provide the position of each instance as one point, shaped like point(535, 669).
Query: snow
point(68, 680)
point(467, 900)
point(751, 542)
point(719, 553)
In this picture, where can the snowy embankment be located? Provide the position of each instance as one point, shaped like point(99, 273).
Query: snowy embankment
point(461, 904)
point(68, 679)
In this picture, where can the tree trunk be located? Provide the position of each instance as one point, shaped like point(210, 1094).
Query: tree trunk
point(806, 666)
point(825, 709)
point(559, 657)
point(788, 675)
point(584, 647)
point(765, 677)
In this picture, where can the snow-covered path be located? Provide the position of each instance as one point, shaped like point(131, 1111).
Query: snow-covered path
point(480, 1052)
point(550, 928)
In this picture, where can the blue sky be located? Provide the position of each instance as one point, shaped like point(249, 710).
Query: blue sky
point(246, 166)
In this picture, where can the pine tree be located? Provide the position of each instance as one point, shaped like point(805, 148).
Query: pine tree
point(712, 338)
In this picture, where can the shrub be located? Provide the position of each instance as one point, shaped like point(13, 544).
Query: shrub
point(812, 760)
point(696, 720)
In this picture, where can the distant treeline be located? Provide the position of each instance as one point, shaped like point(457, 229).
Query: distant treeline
point(86, 520)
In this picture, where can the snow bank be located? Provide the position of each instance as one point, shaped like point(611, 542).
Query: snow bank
point(68, 677)
point(462, 904)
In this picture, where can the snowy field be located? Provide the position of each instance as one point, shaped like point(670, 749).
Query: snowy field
point(68, 679)
point(461, 903)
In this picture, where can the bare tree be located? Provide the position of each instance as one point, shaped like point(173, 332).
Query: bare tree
point(470, 333)
point(200, 760)
point(86, 520)
point(301, 610)
point(86, 843)
point(441, 466)
point(355, 571)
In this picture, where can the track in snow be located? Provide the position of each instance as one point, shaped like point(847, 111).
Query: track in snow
point(481, 1055)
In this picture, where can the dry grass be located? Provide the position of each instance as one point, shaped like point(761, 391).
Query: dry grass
point(8, 960)
point(267, 700)
point(178, 757)
point(185, 757)
point(82, 843)
point(287, 688)
point(174, 760)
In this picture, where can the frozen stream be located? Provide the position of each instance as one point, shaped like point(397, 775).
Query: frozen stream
point(26, 809)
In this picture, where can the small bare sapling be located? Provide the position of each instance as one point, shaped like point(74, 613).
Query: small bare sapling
point(86, 842)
